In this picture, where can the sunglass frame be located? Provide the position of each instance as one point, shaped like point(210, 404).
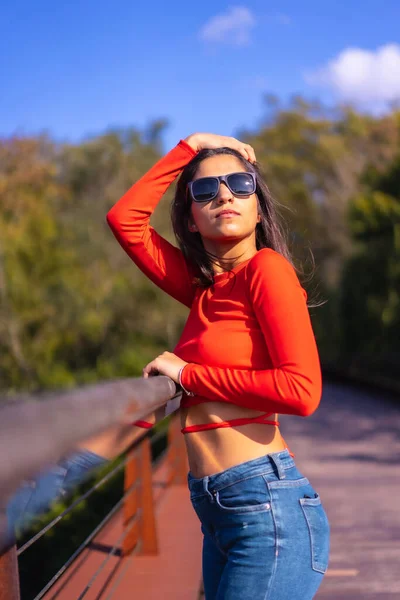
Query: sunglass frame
point(223, 179)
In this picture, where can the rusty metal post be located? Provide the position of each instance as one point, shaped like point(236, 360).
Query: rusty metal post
point(177, 459)
point(130, 507)
point(147, 522)
point(9, 578)
point(171, 453)
point(182, 465)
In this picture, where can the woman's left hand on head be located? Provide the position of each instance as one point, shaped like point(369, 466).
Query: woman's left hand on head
point(167, 364)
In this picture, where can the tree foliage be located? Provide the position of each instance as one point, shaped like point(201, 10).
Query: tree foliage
point(73, 307)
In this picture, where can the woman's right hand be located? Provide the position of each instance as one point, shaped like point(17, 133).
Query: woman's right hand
point(200, 141)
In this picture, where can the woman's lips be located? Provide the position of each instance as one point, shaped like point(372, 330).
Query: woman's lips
point(227, 214)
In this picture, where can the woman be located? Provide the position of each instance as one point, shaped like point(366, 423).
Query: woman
point(247, 353)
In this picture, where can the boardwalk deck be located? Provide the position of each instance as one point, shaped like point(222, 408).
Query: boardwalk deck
point(350, 450)
point(174, 574)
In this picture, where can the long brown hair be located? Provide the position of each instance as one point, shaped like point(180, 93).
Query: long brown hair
point(269, 231)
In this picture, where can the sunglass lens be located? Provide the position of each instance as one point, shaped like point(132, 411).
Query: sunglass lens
point(204, 189)
point(241, 184)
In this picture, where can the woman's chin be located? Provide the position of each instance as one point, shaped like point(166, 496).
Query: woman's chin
point(226, 228)
point(225, 236)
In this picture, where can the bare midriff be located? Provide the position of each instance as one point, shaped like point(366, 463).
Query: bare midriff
point(215, 450)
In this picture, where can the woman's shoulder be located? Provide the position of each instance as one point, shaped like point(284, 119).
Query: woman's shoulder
point(268, 267)
point(268, 260)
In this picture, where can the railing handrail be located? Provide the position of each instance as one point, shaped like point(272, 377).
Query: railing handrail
point(71, 417)
point(89, 492)
point(139, 532)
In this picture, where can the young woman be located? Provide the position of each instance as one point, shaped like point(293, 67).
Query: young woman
point(247, 353)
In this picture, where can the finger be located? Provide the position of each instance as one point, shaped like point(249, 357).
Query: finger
point(150, 371)
point(251, 153)
point(251, 157)
point(247, 153)
point(241, 148)
point(244, 149)
point(148, 368)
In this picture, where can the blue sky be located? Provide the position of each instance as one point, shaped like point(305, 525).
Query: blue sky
point(77, 68)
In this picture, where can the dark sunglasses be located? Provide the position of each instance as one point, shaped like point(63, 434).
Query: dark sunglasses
point(207, 188)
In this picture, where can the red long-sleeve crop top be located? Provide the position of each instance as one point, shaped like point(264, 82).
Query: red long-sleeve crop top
point(248, 338)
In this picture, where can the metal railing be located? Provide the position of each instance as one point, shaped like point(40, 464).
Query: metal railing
point(137, 503)
point(52, 426)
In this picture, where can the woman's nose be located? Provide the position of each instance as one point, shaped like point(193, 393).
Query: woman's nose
point(224, 193)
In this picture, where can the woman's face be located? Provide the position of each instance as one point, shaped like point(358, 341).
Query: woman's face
point(205, 215)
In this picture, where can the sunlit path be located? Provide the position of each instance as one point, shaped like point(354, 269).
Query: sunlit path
point(350, 449)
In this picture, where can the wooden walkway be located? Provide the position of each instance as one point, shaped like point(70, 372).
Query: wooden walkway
point(174, 574)
point(350, 451)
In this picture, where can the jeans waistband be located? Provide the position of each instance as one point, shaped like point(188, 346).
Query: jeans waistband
point(276, 462)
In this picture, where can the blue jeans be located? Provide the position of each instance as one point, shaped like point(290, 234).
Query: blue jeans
point(35, 496)
point(265, 532)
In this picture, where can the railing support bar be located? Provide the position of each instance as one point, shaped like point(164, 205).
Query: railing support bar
point(9, 579)
point(130, 509)
point(148, 530)
point(178, 465)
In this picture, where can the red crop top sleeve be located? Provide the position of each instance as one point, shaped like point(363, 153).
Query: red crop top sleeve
point(293, 385)
point(129, 219)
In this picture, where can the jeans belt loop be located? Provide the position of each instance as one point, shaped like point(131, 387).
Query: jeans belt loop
point(205, 488)
point(276, 460)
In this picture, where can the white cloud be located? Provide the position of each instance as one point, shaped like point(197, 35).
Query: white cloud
point(362, 76)
point(232, 27)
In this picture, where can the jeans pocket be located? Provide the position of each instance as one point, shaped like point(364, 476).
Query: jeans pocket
point(246, 496)
point(319, 530)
